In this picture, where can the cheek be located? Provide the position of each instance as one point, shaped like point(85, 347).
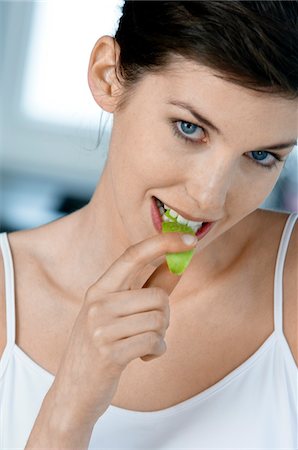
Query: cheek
point(269, 180)
point(259, 188)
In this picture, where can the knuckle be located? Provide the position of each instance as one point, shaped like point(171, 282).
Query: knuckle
point(93, 303)
point(160, 347)
point(159, 320)
point(161, 296)
point(90, 295)
point(130, 254)
point(154, 340)
point(92, 312)
point(163, 346)
point(166, 321)
point(100, 336)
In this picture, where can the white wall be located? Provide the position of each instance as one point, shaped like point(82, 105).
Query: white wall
point(41, 144)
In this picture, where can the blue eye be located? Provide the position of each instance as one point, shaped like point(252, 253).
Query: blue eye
point(189, 129)
point(263, 156)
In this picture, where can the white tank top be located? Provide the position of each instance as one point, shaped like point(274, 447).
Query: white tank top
point(253, 407)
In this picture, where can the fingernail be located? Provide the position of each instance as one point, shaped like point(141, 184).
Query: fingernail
point(189, 239)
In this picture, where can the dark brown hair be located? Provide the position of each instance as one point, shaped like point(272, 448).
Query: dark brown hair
point(253, 44)
point(250, 43)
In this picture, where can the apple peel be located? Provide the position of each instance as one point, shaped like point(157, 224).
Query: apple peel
point(178, 262)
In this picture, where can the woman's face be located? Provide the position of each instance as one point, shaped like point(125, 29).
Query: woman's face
point(158, 148)
point(161, 149)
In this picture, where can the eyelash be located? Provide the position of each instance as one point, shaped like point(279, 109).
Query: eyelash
point(176, 132)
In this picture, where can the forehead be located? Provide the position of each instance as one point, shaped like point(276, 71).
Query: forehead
point(225, 102)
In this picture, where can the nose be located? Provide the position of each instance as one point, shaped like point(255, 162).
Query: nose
point(210, 183)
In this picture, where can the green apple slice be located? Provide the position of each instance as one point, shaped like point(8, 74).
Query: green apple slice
point(178, 262)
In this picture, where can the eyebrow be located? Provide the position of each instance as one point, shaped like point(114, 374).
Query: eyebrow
point(200, 118)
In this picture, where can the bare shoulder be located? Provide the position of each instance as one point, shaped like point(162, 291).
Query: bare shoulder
point(290, 275)
point(38, 301)
point(270, 219)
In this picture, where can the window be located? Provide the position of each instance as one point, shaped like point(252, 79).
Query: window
point(55, 87)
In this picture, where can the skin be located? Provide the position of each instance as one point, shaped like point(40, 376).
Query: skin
point(215, 179)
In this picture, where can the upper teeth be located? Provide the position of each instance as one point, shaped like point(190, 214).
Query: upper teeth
point(180, 219)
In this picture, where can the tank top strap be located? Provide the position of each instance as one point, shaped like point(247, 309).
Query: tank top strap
point(279, 267)
point(9, 291)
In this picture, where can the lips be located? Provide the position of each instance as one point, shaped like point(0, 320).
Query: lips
point(185, 215)
point(206, 227)
point(157, 221)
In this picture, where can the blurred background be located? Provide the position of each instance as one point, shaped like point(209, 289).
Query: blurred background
point(49, 122)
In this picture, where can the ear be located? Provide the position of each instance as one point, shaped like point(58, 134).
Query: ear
point(102, 72)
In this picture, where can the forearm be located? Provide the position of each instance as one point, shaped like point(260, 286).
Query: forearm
point(56, 428)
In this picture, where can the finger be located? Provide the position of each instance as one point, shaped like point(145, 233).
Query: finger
point(137, 301)
point(140, 323)
point(146, 346)
point(120, 274)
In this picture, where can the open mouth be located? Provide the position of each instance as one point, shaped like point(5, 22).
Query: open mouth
point(162, 213)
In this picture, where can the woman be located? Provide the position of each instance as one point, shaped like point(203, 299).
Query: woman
point(112, 350)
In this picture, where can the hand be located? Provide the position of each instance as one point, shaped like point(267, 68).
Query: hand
point(114, 326)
